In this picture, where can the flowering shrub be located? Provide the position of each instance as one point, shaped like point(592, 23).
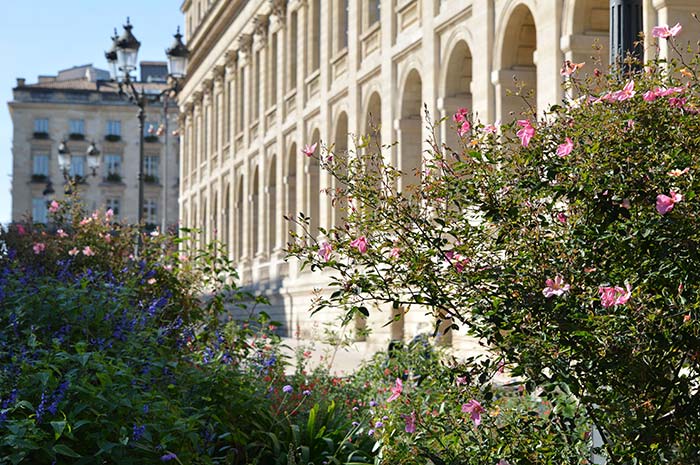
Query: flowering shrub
point(568, 243)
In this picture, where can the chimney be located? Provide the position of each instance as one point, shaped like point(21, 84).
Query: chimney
point(20, 82)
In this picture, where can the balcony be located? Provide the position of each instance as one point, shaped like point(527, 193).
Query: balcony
point(39, 178)
point(151, 179)
point(40, 135)
point(113, 178)
point(151, 138)
point(113, 138)
point(76, 136)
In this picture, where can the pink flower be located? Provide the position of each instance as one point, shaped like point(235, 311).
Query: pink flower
point(108, 238)
point(39, 247)
point(562, 217)
point(325, 251)
point(464, 128)
point(20, 230)
point(475, 410)
point(410, 422)
point(627, 92)
point(650, 96)
point(677, 173)
point(309, 150)
point(61, 233)
point(461, 380)
point(458, 261)
point(87, 251)
point(395, 252)
point(151, 281)
point(663, 32)
point(109, 214)
point(490, 129)
point(85, 221)
point(396, 390)
point(73, 252)
point(460, 116)
point(360, 244)
point(569, 67)
point(53, 208)
point(526, 133)
point(665, 203)
point(565, 148)
point(555, 287)
point(610, 296)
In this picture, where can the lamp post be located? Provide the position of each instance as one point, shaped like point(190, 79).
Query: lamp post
point(123, 59)
point(64, 163)
point(625, 26)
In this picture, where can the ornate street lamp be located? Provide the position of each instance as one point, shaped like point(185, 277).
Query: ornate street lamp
point(93, 158)
point(123, 59)
point(64, 159)
point(625, 26)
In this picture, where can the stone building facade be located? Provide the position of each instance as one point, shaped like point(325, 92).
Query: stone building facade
point(267, 77)
point(81, 105)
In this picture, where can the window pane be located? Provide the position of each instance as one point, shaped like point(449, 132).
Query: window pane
point(113, 204)
point(113, 164)
point(41, 125)
point(39, 213)
point(41, 164)
point(77, 126)
point(114, 128)
point(77, 166)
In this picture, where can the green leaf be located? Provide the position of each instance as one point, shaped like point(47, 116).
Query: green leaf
point(62, 449)
point(58, 428)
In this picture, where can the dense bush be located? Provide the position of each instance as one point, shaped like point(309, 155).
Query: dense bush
point(568, 244)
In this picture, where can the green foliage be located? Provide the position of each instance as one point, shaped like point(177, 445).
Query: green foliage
point(577, 263)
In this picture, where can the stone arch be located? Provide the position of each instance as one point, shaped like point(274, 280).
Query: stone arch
point(291, 207)
point(410, 130)
point(271, 203)
point(515, 58)
point(457, 88)
point(255, 241)
point(372, 121)
point(226, 218)
point(340, 142)
point(238, 252)
point(586, 24)
point(313, 184)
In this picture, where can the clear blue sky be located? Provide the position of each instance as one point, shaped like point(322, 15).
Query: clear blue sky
point(44, 36)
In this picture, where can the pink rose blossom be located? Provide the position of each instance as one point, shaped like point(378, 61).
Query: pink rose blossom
point(555, 287)
point(457, 260)
point(395, 252)
point(39, 247)
point(610, 296)
point(410, 421)
point(61, 233)
point(677, 173)
point(562, 217)
point(665, 203)
point(109, 214)
point(627, 92)
point(526, 133)
point(475, 410)
point(663, 32)
point(565, 148)
point(53, 208)
point(460, 116)
point(360, 244)
point(325, 251)
point(309, 150)
point(490, 129)
point(568, 68)
point(73, 252)
point(396, 390)
point(464, 128)
point(87, 251)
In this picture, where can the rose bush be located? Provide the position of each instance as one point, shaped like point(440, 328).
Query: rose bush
point(568, 243)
